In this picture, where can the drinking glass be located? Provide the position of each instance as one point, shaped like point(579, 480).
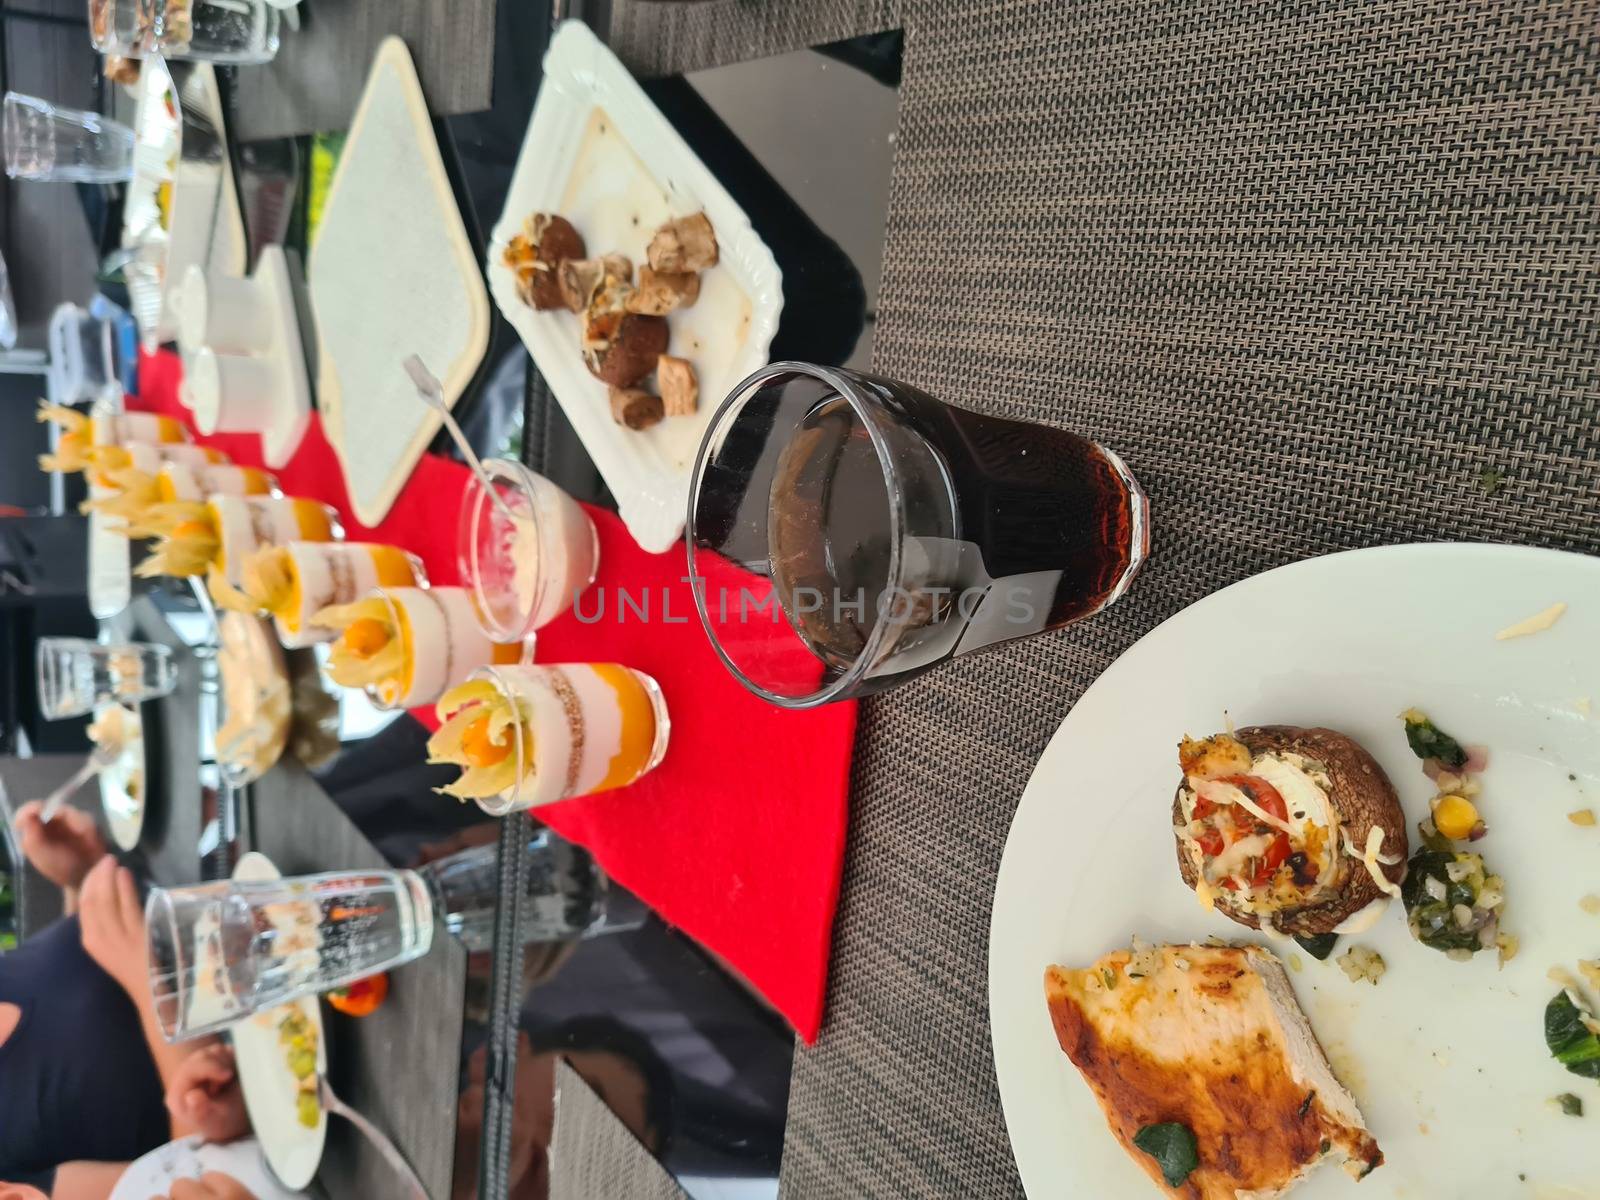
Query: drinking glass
point(525, 570)
point(567, 895)
point(218, 31)
point(75, 674)
point(847, 533)
point(219, 952)
point(594, 727)
point(64, 145)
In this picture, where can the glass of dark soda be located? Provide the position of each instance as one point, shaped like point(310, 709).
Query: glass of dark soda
point(847, 533)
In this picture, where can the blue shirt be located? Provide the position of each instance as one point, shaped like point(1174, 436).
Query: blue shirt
point(76, 1079)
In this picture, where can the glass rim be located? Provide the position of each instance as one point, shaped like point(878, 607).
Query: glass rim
point(843, 382)
point(158, 905)
point(475, 502)
point(501, 805)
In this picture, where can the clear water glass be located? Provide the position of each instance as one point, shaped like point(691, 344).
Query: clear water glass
point(75, 674)
point(63, 145)
point(219, 952)
point(218, 31)
point(567, 896)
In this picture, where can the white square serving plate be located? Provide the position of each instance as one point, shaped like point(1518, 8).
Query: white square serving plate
point(599, 153)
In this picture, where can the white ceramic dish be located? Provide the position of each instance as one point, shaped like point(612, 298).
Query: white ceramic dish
point(391, 229)
point(124, 784)
point(1447, 1060)
point(601, 154)
point(293, 1150)
point(253, 700)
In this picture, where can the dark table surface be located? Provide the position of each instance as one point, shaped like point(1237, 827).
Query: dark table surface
point(321, 69)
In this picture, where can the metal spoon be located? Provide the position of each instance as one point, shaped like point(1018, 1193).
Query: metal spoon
point(99, 759)
point(391, 1154)
point(432, 393)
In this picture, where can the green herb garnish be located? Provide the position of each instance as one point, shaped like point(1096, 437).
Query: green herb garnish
point(1433, 921)
point(1491, 480)
point(1172, 1146)
point(1570, 1104)
point(1320, 946)
point(1570, 1040)
point(1427, 740)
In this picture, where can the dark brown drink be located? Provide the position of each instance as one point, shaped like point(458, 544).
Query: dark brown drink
point(899, 531)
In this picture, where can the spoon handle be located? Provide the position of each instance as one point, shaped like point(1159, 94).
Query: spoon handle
point(54, 801)
point(391, 1153)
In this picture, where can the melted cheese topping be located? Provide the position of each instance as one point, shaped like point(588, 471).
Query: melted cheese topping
point(1371, 857)
point(1537, 623)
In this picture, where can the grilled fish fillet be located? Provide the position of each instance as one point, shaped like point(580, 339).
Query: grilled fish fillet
point(1210, 1037)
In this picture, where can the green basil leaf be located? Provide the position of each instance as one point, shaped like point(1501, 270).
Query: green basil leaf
point(1172, 1146)
point(1427, 740)
point(1319, 946)
point(1570, 1104)
point(1569, 1040)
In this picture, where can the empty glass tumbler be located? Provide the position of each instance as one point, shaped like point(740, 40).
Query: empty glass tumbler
point(63, 145)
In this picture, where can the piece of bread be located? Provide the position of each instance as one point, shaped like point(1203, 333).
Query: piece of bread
point(687, 244)
point(1211, 1038)
point(1361, 799)
point(680, 390)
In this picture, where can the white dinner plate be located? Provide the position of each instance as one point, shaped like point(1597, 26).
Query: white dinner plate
point(599, 153)
point(293, 1150)
point(1447, 1060)
point(124, 785)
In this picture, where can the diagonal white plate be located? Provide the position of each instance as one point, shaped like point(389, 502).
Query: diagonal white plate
point(601, 154)
point(392, 273)
point(292, 1150)
point(1447, 1060)
point(124, 786)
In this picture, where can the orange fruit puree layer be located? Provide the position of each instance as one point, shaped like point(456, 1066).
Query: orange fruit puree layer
point(638, 726)
point(312, 521)
point(393, 566)
point(506, 653)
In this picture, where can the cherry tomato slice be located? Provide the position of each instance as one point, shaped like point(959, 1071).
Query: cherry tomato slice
point(1210, 842)
point(1277, 854)
point(1264, 795)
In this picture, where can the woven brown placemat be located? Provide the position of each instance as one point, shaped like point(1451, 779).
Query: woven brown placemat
point(656, 38)
point(593, 1155)
point(1312, 269)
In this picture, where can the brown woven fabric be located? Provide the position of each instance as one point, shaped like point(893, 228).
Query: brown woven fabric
point(1311, 268)
point(666, 38)
point(593, 1156)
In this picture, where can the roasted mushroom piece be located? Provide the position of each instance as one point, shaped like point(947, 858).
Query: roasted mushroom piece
point(687, 244)
point(635, 408)
point(581, 278)
point(680, 391)
point(661, 292)
point(536, 254)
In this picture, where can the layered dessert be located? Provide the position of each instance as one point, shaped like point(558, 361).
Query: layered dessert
point(407, 645)
point(132, 491)
point(226, 530)
point(81, 433)
point(530, 735)
point(295, 582)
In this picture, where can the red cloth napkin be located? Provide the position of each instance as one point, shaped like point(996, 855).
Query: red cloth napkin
point(738, 836)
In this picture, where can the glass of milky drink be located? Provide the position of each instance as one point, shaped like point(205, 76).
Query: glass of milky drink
point(528, 562)
point(530, 735)
point(295, 582)
point(407, 646)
